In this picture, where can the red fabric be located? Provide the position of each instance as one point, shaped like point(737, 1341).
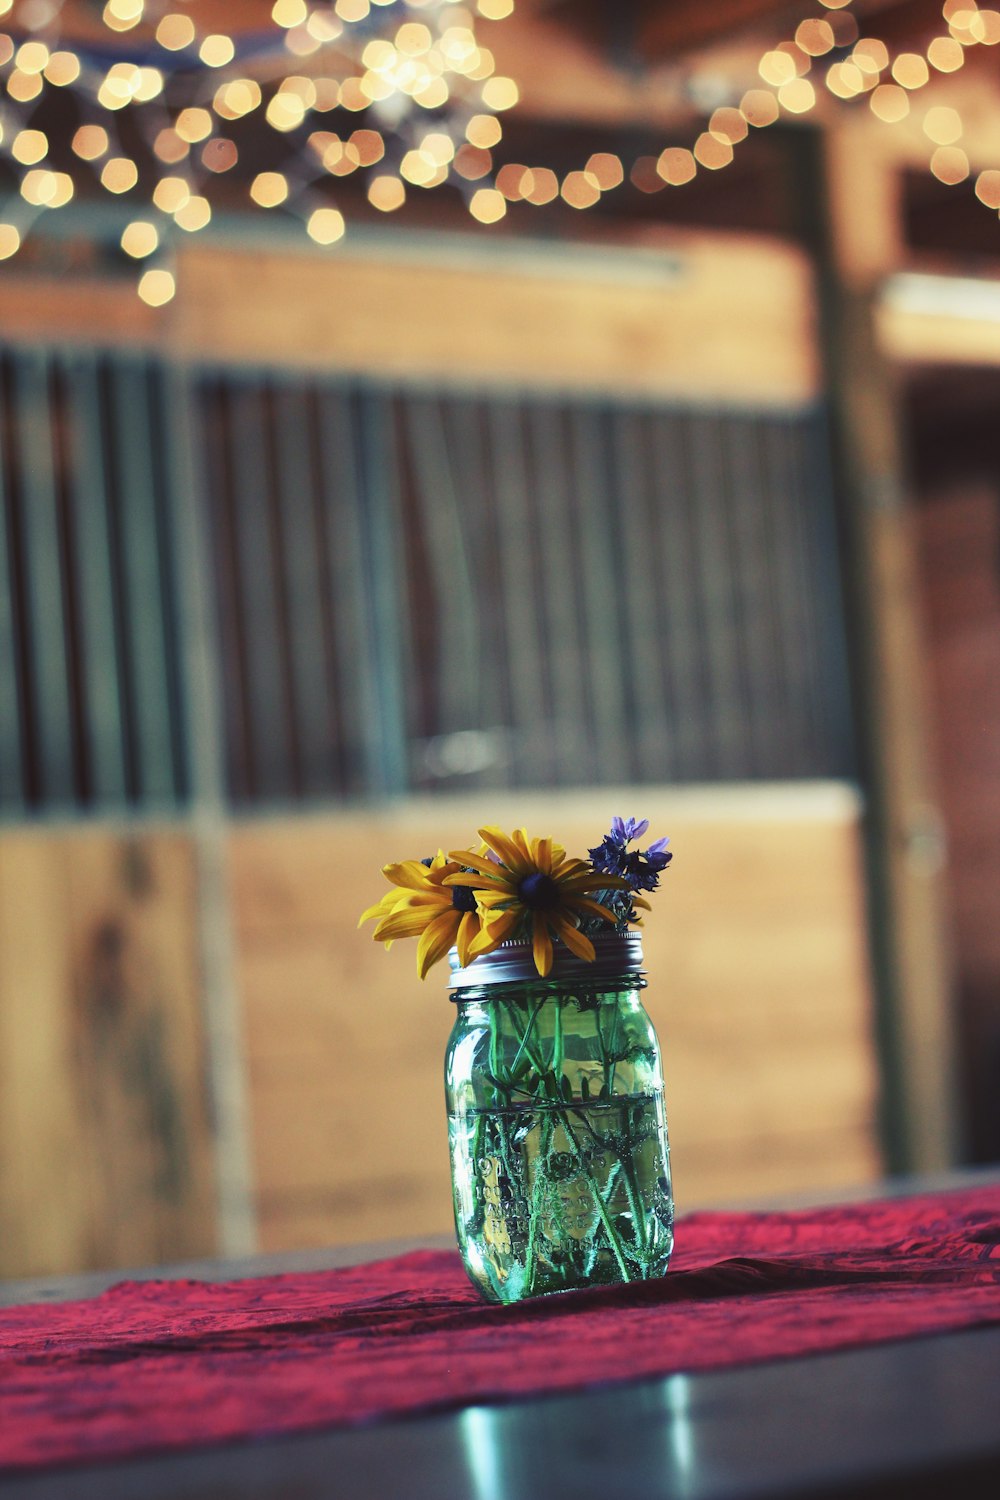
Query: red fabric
point(168, 1364)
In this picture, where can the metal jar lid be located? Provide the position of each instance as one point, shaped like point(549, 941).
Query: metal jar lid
point(617, 953)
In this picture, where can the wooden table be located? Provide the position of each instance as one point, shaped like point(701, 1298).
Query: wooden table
point(912, 1419)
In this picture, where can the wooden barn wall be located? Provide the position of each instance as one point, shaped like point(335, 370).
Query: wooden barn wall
point(758, 988)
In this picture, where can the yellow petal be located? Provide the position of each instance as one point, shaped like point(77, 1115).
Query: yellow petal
point(575, 940)
point(507, 849)
point(493, 933)
point(543, 855)
point(541, 945)
point(593, 908)
point(468, 928)
point(410, 873)
point(436, 940)
point(401, 924)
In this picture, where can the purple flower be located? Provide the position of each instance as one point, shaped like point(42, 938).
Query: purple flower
point(641, 868)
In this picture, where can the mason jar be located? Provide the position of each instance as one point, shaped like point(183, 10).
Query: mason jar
point(557, 1130)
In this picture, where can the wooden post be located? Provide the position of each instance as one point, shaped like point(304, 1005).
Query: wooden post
point(852, 190)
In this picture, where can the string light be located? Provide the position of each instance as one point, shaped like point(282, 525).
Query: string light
point(429, 66)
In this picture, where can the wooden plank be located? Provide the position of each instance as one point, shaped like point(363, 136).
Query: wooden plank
point(758, 988)
point(105, 1150)
point(734, 324)
point(139, 1048)
point(46, 1214)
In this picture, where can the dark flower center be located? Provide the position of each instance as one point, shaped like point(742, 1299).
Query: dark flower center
point(463, 898)
point(538, 891)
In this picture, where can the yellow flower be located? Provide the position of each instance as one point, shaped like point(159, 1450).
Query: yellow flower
point(423, 906)
point(534, 886)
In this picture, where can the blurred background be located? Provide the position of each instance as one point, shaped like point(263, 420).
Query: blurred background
point(416, 415)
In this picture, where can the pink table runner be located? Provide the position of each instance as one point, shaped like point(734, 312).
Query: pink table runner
point(153, 1366)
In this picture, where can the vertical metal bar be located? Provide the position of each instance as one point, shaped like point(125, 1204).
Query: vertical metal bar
point(300, 552)
point(645, 653)
point(270, 731)
point(12, 787)
point(715, 580)
point(388, 744)
point(521, 589)
point(787, 622)
point(437, 486)
point(677, 562)
point(43, 581)
point(101, 665)
point(832, 685)
point(142, 583)
point(746, 505)
point(352, 646)
point(600, 595)
point(557, 545)
point(203, 669)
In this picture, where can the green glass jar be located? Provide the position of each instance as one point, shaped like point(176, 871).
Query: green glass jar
point(559, 1156)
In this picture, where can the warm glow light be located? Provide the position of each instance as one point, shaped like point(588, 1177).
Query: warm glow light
point(950, 164)
point(580, 189)
point(119, 174)
point(90, 142)
point(175, 32)
point(777, 68)
point(193, 125)
point(676, 165)
point(219, 154)
point(945, 54)
point(64, 190)
point(815, 37)
point(386, 193)
point(234, 100)
point(414, 38)
point(29, 147)
point(910, 70)
point(285, 111)
point(797, 96)
point(487, 205)
point(150, 84)
point(513, 179)
point(483, 131)
point(543, 188)
point(32, 57)
point(325, 226)
point(759, 108)
point(39, 187)
point(942, 125)
point(217, 50)
point(846, 80)
point(24, 86)
point(871, 55)
point(495, 10)
point(471, 163)
point(711, 152)
point(10, 241)
point(139, 239)
point(169, 147)
point(890, 103)
point(644, 176)
point(62, 69)
point(606, 169)
point(194, 214)
point(269, 189)
point(500, 93)
point(729, 125)
point(170, 194)
point(156, 287)
point(371, 147)
point(988, 187)
point(288, 13)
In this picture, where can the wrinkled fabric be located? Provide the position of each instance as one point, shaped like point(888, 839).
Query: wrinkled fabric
point(165, 1365)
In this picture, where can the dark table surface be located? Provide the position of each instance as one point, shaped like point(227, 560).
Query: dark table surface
point(915, 1418)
